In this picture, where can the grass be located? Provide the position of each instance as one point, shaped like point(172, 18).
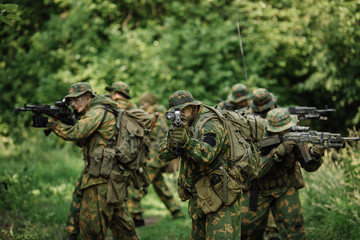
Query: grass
point(37, 178)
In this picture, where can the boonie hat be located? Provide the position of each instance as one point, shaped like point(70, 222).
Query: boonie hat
point(120, 87)
point(239, 93)
point(279, 119)
point(79, 89)
point(180, 99)
point(149, 98)
point(262, 100)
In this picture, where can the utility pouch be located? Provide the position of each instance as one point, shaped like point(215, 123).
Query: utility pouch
point(233, 187)
point(126, 152)
point(95, 162)
point(206, 198)
point(183, 193)
point(107, 162)
point(116, 191)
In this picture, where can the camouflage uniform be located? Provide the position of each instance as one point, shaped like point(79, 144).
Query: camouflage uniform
point(95, 213)
point(124, 89)
point(261, 102)
point(237, 99)
point(72, 221)
point(277, 185)
point(199, 158)
point(154, 167)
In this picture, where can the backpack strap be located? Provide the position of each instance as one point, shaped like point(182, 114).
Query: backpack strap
point(96, 141)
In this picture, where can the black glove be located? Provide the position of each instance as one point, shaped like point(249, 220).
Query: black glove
point(39, 121)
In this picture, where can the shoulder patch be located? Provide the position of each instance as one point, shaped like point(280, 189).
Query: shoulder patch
point(210, 138)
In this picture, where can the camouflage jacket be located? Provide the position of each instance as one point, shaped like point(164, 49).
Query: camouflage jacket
point(200, 156)
point(125, 104)
point(84, 132)
point(287, 172)
point(158, 133)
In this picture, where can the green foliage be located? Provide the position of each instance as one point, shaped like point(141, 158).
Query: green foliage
point(306, 52)
point(296, 49)
point(8, 13)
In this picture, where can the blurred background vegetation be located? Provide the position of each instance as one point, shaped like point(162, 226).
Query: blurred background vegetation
point(306, 52)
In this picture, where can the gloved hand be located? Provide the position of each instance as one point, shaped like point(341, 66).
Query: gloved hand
point(39, 121)
point(178, 135)
point(282, 150)
point(317, 150)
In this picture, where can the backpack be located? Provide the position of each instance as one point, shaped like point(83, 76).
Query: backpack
point(133, 143)
point(243, 132)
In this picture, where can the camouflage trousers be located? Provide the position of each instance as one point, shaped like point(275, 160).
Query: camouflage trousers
point(96, 216)
point(161, 189)
point(223, 224)
point(286, 209)
point(271, 230)
point(72, 221)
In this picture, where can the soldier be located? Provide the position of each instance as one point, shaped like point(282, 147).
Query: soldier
point(94, 132)
point(277, 185)
point(202, 155)
point(155, 168)
point(238, 99)
point(120, 93)
point(261, 102)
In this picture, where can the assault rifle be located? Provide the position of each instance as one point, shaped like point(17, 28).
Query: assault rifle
point(310, 112)
point(325, 139)
point(60, 111)
point(175, 116)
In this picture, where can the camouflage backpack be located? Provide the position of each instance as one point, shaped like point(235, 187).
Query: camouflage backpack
point(133, 143)
point(243, 131)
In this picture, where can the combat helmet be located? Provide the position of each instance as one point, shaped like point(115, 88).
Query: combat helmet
point(79, 89)
point(120, 87)
point(180, 99)
point(239, 93)
point(262, 100)
point(149, 98)
point(279, 119)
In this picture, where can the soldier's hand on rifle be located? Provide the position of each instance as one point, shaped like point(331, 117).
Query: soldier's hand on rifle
point(178, 135)
point(317, 151)
point(282, 150)
point(39, 121)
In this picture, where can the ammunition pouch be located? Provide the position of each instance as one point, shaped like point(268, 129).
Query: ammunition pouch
point(101, 162)
point(215, 190)
point(116, 191)
point(140, 178)
point(206, 198)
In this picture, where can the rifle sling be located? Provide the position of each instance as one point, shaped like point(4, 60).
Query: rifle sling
point(97, 136)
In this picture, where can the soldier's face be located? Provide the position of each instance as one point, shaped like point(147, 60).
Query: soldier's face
point(116, 96)
point(81, 103)
point(187, 114)
point(144, 105)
